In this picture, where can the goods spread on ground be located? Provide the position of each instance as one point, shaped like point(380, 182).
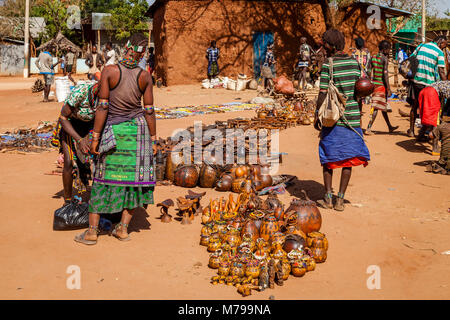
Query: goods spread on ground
point(256, 243)
point(181, 112)
point(173, 167)
point(28, 139)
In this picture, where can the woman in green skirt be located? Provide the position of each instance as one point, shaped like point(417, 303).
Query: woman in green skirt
point(122, 140)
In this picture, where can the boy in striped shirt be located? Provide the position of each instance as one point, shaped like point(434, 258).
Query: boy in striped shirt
point(430, 59)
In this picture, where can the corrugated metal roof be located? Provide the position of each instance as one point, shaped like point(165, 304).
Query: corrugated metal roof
point(389, 10)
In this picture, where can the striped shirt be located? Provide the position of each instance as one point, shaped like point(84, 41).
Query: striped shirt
point(346, 72)
point(378, 68)
point(430, 58)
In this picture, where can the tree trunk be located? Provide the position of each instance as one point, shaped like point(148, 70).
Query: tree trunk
point(326, 11)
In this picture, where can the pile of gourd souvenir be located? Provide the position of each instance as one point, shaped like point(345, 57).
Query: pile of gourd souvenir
point(255, 243)
point(287, 113)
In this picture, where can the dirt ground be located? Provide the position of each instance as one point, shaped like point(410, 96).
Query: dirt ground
point(396, 218)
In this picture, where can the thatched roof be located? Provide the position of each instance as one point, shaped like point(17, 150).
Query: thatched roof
point(61, 42)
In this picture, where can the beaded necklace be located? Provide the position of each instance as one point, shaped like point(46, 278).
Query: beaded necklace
point(129, 63)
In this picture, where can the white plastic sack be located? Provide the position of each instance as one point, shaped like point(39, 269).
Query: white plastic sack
point(62, 88)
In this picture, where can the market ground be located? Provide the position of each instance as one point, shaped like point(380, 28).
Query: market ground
point(396, 218)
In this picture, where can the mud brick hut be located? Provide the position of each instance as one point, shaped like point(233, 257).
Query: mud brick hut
point(183, 29)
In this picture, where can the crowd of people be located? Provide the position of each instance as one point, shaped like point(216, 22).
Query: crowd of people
point(111, 121)
point(342, 146)
point(306, 69)
point(95, 60)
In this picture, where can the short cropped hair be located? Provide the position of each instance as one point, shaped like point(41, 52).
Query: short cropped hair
point(334, 38)
point(384, 45)
point(138, 39)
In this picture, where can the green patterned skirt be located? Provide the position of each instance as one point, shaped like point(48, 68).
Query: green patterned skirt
point(112, 199)
point(124, 172)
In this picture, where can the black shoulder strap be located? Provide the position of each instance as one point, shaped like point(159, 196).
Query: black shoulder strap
point(137, 80)
point(120, 78)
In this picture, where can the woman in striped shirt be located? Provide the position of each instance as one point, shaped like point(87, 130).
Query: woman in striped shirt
point(341, 146)
point(380, 78)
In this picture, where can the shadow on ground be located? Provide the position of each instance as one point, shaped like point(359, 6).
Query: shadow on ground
point(412, 145)
point(139, 221)
point(313, 189)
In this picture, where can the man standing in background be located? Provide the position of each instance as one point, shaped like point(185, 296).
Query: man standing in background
point(95, 62)
point(304, 61)
point(70, 60)
point(110, 55)
point(46, 67)
point(213, 54)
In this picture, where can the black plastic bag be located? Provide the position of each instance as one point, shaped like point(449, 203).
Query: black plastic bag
point(71, 216)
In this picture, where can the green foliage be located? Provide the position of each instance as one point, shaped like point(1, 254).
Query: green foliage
point(436, 24)
point(127, 17)
point(55, 14)
point(89, 6)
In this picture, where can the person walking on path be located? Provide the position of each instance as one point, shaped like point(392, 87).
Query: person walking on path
point(342, 145)
point(431, 61)
point(47, 68)
point(382, 91)
point(123, 136)
point(362, 55)
point(213, 55)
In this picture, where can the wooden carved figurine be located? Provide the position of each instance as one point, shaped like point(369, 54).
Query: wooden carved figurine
point(279, 273)
point(272, 271)
point(165, 216)
point(185, 208)
point(263, 277)
point(195, 197)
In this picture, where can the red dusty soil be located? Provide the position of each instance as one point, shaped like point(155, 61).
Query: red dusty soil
point(397, 218)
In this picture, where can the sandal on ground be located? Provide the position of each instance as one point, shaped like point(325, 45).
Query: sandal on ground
point(81, 238)
point(410, 133)
point(327, 201)
point(114, 232)
point(392, 129)
point(339, 206)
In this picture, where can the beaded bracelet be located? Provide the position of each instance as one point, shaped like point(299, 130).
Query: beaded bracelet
point(149, 109)
point(103, 104)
